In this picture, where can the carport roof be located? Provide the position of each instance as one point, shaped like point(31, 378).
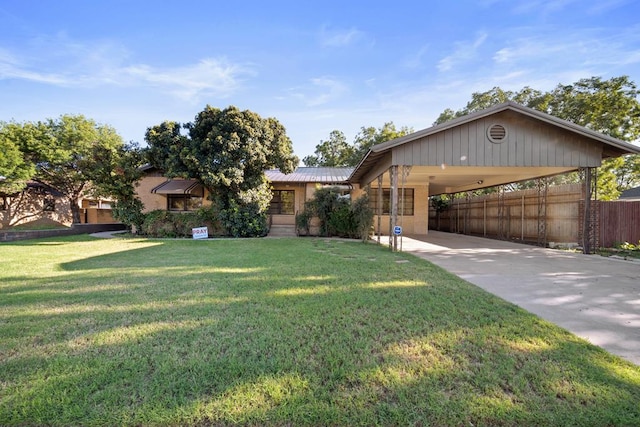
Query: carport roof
point(569, 147)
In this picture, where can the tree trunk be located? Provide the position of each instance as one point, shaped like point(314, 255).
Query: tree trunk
point(75, 210)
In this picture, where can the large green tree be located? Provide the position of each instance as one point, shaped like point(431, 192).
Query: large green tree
point(370, 136)
point(64, 152)
point(607, 106)
point(334, 152)
point(228, 151)
point(117, 170)
point(15, 170)
point(337, 152)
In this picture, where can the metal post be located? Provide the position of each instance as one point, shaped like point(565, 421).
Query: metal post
point(393, 218)
point(590, 215)
point(379, 207)
point(542, 184)
point(405, 174)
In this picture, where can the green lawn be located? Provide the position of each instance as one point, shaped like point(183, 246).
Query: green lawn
point(281, 332)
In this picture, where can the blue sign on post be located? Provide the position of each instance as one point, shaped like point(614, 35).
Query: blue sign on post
point(397, 230)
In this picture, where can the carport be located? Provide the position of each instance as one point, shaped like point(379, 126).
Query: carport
point(500, 145)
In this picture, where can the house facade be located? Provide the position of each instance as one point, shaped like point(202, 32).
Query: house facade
point(156, 192)
point(500, 145)
point(291, 191)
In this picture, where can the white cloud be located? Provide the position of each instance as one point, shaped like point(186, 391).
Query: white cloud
point(415, 61)
point(588, 48)
point(464, 51)
point(322, 91)
point(339, 38)
point(65, 63)
point(543, 7)
point(210, 76)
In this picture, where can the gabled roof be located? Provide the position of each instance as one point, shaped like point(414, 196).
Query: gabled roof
point(322, 175)
point(631, 193)
point(612, 147)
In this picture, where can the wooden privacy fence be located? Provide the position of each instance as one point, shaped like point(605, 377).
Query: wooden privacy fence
point(528, 215)
point(542, 217)
point(619, 222)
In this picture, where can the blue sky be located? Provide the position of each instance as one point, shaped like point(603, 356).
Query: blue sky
point(316, 66)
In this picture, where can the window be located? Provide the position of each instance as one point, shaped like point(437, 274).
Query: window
point(405, 207)
point(282, 202)
point(49, 204)
point(184, 202)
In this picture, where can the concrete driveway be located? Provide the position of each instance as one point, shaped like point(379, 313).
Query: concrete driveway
point(594, 297)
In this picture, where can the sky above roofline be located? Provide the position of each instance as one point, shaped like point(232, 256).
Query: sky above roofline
point(314, 67)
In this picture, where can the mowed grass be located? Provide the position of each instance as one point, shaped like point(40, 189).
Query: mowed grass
point(281, 332)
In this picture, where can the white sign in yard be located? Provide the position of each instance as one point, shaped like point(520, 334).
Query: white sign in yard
point(200, 233)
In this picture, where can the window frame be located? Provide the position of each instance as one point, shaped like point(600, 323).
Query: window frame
point(48, 204)
point(187, 202)
point(280, 204)
point(408, 201)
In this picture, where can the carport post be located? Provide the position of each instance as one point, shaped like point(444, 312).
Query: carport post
point(590, 213)
point(393, 218)
point(379, 207)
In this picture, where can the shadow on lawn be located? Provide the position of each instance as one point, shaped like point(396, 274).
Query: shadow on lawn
point(221, 341)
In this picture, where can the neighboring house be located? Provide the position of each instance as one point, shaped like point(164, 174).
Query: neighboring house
point(632, 194)
point(37, 203)
point(43, 205)
point(96, 211)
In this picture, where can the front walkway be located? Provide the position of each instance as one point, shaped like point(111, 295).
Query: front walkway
point(594, 297)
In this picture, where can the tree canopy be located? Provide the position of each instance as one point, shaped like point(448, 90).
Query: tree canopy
point(15, 171)
point(228, 151)
point(62, 153)
point(334, 152)
point(607, 106)
point(116, 172)
point(337, 152)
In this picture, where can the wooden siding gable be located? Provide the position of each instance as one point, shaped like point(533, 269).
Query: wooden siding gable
point(528, 143)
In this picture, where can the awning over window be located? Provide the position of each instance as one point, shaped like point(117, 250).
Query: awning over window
point(179, 186)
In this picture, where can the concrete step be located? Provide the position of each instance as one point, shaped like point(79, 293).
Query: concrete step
point(282, 231)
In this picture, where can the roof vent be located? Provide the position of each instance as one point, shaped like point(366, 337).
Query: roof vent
point(497, 133)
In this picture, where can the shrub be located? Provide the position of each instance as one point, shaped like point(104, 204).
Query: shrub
point(129, 212)
point(341, 220)
point(303, 219)
point(338, 215)
point(324, 202)
point(160, 223)
point(363, 217)
point(244, 220)
point(440, 203)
